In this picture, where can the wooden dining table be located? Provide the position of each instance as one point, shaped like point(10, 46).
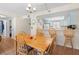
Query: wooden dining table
point(38, 42)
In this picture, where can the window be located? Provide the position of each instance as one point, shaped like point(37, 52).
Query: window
point(58, 18)
point(46, 26)
point(56, 25)
point(54, 22)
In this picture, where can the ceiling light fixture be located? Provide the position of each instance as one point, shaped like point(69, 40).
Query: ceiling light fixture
point(29, 5)
point(27, 9)
point(34, 9)
point(30, 9)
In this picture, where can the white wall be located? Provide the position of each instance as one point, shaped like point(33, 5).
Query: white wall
point(76, 39)
point(20, 25)
point(13, 27)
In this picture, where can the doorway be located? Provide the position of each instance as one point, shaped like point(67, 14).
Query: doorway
point(6, 28)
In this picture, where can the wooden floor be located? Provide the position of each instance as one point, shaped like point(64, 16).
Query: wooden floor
point(8, 47)
point(67, 51)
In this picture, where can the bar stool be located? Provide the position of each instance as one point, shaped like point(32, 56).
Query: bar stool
point(69, 35)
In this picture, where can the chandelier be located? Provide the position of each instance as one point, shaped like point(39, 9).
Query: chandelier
point(30, 9)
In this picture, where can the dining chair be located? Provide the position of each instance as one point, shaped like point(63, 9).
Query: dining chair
point(34, 52)
point(52, 32)
point(20, 46)
point(40, 32)
point(52, 46)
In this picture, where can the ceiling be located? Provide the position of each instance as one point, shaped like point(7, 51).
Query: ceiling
point(20, 8)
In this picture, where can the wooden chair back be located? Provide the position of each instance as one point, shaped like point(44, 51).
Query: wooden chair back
point(52, 45)
point(68, 33)
point(40, 32)
point(52, 32)
point(20, 44)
